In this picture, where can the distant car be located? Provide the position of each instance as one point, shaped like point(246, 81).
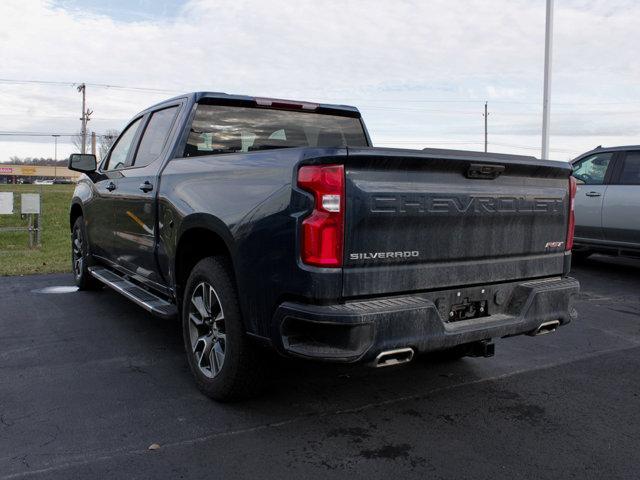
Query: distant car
point(43, 182)
point(607, 207)
point(62, 181)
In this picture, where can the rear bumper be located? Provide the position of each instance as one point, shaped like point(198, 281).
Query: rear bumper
point(360, 330)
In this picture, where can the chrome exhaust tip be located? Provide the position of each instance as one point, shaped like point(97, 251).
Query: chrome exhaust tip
point(546, 327)
point(394, 357)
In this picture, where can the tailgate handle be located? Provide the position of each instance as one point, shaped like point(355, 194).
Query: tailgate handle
point(479, 170)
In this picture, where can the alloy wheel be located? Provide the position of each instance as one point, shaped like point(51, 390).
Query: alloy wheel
point(207, 330)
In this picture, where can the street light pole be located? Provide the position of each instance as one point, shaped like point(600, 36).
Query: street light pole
point(548, 44)
point(486, 114)
point(55, 156)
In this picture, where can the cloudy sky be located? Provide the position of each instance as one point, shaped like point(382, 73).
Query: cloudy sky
point(419, 70)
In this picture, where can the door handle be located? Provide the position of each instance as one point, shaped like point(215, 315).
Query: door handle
point(111, 186)
point(146, 186)
point(593, 194)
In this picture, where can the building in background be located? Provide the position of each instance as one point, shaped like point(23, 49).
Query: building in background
point(31, 173)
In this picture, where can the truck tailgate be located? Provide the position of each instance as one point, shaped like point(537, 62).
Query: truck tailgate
point(420, 220)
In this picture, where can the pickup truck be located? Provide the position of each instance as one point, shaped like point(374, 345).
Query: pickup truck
point(274, 224)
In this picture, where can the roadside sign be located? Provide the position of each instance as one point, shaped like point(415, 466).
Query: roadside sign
point(6, 203)
point(30, 203)
point(30, 208)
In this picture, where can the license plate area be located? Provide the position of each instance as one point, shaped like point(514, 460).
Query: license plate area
point(467, 310)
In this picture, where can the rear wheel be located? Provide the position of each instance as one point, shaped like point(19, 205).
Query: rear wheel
point(226, 365)
point(80, 258)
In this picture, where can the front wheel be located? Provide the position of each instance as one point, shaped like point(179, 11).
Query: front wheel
point(80, 258)
point(226, 365)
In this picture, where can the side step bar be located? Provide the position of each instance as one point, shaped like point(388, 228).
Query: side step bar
point(147, 300)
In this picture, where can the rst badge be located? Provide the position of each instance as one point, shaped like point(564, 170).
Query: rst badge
point(553, 245)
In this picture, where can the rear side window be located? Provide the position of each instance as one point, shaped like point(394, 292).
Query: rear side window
point(155, 136)
point(630, 174)
point(592, 169)
point(225, 129)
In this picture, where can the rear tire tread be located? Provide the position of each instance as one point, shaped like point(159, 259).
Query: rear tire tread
point(242, 374)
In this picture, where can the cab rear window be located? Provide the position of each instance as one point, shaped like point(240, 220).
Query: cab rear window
point(218, 129)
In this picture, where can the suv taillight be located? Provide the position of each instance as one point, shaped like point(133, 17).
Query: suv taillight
point(573, 187)
point(323, 229)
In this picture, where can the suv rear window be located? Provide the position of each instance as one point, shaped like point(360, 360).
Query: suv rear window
point(226, 129)
point(631, 169)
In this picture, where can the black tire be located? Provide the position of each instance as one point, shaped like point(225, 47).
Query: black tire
point(225, 363)
point(80, 259)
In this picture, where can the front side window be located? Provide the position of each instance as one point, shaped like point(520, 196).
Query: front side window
point(120, 150)
point(631, 169)
point(226, 129)
point(591, 170)
point(155, 136)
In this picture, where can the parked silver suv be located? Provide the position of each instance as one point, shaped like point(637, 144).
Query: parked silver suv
point(607, 208)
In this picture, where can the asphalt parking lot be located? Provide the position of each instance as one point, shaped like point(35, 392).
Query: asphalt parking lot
point(89, 381)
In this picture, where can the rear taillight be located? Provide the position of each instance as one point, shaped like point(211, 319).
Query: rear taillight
point(323, 230)
point(573, 186)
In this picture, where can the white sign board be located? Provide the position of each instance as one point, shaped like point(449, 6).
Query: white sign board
point(6, 203)
point(30, 203)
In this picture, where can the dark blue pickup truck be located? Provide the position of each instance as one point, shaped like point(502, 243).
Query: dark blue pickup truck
point(265, 223)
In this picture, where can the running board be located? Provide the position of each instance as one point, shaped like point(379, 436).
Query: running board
point(147, 300)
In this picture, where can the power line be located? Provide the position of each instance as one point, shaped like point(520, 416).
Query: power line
point(76, 84)
point(527, 147)
point(351, 99)
point(43, 134)
point(399, 142)
point(363, 108)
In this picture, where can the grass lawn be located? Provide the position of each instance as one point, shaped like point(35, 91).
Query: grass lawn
point(54, 255)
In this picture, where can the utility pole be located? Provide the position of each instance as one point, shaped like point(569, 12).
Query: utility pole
point(93, 143)
point(548, 43)
point(486, 114)
point(85, 116)
point(82, 88)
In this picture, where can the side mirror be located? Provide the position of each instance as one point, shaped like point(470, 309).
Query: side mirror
point(83, 162)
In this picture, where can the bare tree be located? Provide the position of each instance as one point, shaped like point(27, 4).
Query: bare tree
point(76, 140)
point(106, 141)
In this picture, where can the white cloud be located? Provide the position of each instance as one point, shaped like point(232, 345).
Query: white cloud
point(392, 59)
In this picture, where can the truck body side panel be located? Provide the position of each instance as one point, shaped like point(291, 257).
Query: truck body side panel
point(250, 201)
